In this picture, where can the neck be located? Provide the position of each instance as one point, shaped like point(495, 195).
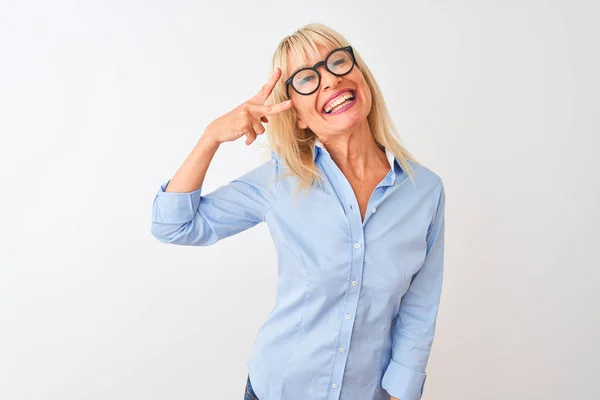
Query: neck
point(355, 151)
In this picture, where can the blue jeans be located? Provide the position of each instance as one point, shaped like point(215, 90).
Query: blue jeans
point(249, 393)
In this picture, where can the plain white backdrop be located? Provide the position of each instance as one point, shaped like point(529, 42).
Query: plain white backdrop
point(101, 101)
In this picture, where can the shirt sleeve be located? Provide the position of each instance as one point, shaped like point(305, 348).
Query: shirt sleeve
point(413, 331)
point(194, 219)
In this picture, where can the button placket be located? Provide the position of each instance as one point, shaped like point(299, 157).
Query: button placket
point(356, 239)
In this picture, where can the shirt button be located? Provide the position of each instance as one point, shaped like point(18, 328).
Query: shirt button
point(341, 349)
point(354, 283)
point(374, 210)
point(334, 385)
point(347, 316)
point(357, 245)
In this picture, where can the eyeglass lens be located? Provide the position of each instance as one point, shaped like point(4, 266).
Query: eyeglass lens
point(339, 63)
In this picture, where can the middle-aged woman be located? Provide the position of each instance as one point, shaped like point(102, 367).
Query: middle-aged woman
point(357, 222)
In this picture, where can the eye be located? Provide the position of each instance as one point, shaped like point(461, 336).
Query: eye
point(306, 79)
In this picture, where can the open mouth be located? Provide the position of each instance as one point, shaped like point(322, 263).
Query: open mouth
point(341, 103)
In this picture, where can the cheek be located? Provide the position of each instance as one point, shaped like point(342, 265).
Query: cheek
point(369, 96)
point(359, 81)
point(306, 106)
point(366, 94)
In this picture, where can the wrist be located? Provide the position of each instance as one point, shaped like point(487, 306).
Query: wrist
point(210, 138)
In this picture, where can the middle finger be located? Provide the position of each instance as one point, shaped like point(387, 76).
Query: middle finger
point(267, 88)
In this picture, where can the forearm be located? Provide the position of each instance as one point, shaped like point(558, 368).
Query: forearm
point(192, 172)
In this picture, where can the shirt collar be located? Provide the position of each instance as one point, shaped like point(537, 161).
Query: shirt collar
point(319, 146)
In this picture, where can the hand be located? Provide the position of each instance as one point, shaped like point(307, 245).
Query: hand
point(246, 119)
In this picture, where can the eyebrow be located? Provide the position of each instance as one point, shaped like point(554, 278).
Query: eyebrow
point(306, 65)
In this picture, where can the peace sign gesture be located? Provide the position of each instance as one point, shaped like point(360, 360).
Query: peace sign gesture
point(247, 118)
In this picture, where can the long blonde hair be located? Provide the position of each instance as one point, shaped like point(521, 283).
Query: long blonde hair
point(295, 145)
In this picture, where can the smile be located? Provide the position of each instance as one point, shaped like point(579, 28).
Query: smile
point(340, 104)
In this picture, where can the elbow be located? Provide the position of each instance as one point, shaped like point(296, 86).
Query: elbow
point(170, 225)
point(164, 234)
point(186, 234)
point(167, 233)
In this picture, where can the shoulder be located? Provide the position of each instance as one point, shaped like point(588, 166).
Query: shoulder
point(432, 187)
point(429, 187)
point(264, 168)
point(426, 178)
point(261, 176)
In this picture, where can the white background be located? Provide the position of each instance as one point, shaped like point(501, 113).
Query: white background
point(101, 101)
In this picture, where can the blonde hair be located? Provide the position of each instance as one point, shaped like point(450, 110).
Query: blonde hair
point(295, 145)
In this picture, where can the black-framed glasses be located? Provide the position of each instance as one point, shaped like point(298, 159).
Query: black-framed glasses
point(306, 81)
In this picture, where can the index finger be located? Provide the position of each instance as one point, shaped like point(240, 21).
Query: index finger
point(267, 88)
point(272, 109)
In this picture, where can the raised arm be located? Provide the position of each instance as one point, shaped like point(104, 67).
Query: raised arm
point(245, 119)
point(181, 215)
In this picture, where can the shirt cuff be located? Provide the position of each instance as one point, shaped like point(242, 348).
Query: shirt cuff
point(173, 207)
point(402, 382)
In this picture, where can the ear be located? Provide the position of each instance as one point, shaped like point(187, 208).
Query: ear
point(301, 123)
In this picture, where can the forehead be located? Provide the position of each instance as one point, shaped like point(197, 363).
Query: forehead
point(308, 57)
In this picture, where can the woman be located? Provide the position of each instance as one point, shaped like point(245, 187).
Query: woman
point(357, 223)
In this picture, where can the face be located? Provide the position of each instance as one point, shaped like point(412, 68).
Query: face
point(310, 109)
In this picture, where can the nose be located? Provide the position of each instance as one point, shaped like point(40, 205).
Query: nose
point(328, 80)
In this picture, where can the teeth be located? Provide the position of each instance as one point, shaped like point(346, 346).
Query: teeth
point(336, 102)
point(338, 107)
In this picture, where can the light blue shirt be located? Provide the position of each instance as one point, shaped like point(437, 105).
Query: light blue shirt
point(357, 301)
